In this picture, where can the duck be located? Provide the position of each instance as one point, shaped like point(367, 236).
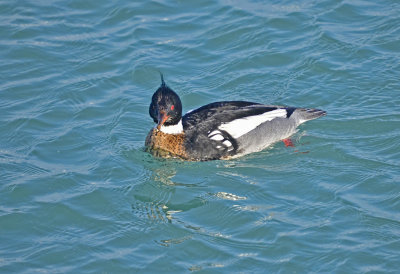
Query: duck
point(220, 130)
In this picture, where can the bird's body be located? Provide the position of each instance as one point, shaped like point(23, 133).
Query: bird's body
point(220, 130)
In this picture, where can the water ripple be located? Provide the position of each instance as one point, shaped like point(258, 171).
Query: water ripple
point(80, 194)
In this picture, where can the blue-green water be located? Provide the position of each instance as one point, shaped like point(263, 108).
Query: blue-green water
point(78, 193)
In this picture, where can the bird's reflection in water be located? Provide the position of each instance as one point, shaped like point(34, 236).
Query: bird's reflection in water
point(160, 197)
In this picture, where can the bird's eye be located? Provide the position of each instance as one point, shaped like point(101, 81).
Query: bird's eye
point(172, 107)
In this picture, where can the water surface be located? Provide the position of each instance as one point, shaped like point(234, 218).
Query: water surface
point(78, 193)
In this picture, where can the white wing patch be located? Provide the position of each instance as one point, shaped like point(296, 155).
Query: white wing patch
point(239, 127)
point(228, 144)
point(216, 135)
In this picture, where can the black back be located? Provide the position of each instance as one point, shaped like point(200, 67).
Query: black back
point(200, 123)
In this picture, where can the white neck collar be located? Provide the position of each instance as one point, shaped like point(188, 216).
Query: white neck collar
point(174, 129)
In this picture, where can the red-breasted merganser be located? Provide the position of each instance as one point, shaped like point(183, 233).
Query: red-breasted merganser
point(220, 130)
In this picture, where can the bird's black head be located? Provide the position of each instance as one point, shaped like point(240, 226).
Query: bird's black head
point(165, 107)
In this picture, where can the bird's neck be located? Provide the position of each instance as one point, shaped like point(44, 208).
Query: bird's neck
point(173, 129)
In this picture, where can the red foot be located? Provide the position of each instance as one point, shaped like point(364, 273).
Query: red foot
point(288, 142)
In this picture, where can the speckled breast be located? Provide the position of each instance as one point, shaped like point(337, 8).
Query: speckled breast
point(165, 145)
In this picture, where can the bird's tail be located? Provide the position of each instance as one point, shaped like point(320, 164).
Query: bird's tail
point(306, 114)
